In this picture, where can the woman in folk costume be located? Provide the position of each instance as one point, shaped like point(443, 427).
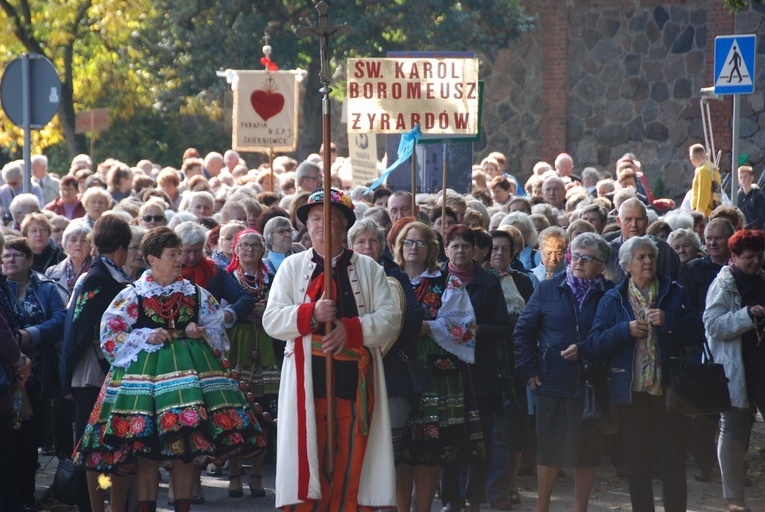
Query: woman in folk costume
point(168, 396)
point(252, 353)
point(365, 316)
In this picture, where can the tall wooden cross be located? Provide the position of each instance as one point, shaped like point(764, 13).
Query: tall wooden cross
point(323, 30)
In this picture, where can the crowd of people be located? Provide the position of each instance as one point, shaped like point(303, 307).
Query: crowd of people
point(165, 317)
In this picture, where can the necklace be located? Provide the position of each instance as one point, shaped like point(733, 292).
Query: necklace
point(253, 284)
point(166, 307)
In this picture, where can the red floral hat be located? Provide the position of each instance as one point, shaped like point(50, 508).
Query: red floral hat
point(338, 199)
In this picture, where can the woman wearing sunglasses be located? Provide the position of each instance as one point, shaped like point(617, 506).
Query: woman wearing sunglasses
point(152, 214)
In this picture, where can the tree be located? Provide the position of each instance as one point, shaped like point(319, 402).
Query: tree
point(88, 41)
point(193, 39)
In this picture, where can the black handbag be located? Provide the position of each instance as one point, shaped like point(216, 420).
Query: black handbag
point(419, 373)
point(597, 410)
point(68, 483)
point(699, 388)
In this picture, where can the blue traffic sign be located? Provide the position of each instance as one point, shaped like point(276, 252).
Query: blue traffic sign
point(734, 64)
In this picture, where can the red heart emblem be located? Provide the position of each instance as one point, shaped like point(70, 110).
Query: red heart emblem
point(266, 103)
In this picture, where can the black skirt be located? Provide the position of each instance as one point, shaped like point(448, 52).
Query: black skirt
point(563, 439)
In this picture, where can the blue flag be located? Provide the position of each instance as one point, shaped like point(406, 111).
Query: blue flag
point(405, 150)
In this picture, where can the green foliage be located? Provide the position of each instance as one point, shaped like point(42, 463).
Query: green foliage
point(153, 62)
point(736, 6)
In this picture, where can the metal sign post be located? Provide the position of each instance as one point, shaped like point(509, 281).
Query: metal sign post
point(30, 93)
point(734, 72)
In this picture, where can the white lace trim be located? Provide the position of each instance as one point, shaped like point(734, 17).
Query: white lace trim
point(150, 288)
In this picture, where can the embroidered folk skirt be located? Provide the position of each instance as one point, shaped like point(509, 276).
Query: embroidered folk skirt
point(175, 403)
point(444, 426)
point(261, 378)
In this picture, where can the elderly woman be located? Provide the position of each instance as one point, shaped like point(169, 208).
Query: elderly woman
point(166, 333)
point(96, 201)
point(21, 206)
point(528, 256)
point(278, 234)
point(76, 243)
point(437, 431)
point(550, 343)
point(510, 429)
point(67, 203)
point(152, 214)
point(204, 272)
point(37, 230)
point(640, 326)
point(733, 319)
point(502, 190)
point(367, 238)
point(552, 248)
point(685, 243)
point(223, 253)
point(488, 371)
point(135, 265)
point(253, 354)
point(39, 315)
point(83, 367)
point(59, 223)
point(201, 204)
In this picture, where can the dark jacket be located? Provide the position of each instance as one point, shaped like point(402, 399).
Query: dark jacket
point(551, 321)
point(9, 358)
point(90, 298)
point(396, 373)
point(609, 337)
point(48, 333)
point(695, 277)
point(50, 256)
point(494, 330)
point(753, 207)
point(223, 285)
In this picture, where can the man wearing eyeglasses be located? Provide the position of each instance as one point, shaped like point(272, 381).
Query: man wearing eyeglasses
point(308, 177)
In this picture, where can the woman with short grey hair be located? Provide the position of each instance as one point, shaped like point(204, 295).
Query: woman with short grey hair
point(630, 247)
point(96, 201)
point(191, 233)
point(529, 257)
point(277, 234)
point(641, 326)
point(685, 242)
point(365, 226)
point(201, 204)
point(77, 246)
point(21, 206)
point(552, 249)
point(595, 242)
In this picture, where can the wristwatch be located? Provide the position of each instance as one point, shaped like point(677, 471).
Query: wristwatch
point(314, 324)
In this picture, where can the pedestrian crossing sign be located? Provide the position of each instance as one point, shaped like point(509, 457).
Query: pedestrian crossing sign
point(734, 64)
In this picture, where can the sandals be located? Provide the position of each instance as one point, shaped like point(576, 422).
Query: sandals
point(257, 492)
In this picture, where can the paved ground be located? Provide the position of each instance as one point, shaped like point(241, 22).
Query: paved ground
point(609, 492)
